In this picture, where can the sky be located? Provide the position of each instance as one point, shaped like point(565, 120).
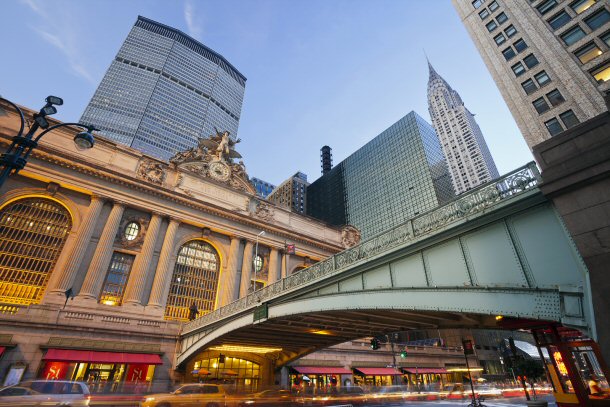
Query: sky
point(319, 72)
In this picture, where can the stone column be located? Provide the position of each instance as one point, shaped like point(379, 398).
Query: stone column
point(231, 285)
point(274, 271)
point(246, 270)
point(163, 274)
point(137, 277)
point(284, 261)
point(103, 253)
point(64, 275)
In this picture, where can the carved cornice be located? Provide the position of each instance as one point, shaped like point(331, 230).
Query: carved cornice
point(77, 164)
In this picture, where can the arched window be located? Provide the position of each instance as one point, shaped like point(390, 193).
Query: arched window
point(32, 234)
point(195, 280)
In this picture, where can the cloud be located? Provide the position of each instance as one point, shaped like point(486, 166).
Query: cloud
point(58, 31)
point(194, 27)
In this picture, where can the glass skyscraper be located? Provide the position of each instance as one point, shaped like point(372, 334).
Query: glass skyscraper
point(399, 174)
point(163, 90)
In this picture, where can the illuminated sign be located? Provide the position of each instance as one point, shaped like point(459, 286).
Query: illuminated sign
point(55, 370)
point(559, 362)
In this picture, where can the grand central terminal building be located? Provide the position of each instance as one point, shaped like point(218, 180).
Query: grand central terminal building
point(106, 252)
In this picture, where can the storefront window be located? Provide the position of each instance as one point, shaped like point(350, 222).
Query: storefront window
point(240, 374)
point(102, 377)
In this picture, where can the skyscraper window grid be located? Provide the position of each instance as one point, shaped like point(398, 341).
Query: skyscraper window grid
point(561, 27)
point(164, 90)
point(397, 175)
point(470, 162)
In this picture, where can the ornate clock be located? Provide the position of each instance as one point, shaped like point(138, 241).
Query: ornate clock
point(219, 171)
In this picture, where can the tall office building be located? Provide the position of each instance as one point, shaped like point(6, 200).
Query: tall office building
point(163, 90)
point(292, 193)
point(470, 163)
point(549, 58)
point(399, 174)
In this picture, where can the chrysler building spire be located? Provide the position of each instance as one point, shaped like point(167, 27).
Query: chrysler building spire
point(469, 160)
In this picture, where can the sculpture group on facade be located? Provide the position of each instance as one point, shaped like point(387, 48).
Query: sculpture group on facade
point(213, 157)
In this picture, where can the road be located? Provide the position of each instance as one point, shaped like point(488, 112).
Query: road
point(496, 402)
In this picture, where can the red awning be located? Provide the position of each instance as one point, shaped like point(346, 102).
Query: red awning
point(379, 371)
point(91, 356)
point(321, 370)
point(2, 349)
point(425, 370)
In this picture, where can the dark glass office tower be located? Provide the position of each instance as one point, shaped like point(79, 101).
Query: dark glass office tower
point(164, 90)
point(399, 174)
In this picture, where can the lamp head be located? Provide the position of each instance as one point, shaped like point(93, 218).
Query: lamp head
point(49, 110)
point(84, 140)
point(262, 233)
point(54, 100)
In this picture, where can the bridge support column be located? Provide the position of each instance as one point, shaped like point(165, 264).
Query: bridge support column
point(576, 177)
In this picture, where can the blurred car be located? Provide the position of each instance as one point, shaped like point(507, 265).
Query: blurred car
point(386, 394)
point(271, 398)
point(189, 395)
point(354, 395)
point(46, 393)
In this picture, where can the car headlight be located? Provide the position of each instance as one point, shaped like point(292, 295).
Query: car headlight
point(149, 399)
point(249, 402)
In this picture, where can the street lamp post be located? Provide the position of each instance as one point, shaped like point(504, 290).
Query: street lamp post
point(15, 158)
point(256, 259)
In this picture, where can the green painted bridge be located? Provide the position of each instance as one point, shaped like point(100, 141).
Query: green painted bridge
point(500, 249)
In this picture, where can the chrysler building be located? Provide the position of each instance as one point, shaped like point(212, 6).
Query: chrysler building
point(470, 163)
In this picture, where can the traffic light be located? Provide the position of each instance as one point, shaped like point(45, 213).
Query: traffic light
point(221, 358)
point(374, 343)
point(403, 354)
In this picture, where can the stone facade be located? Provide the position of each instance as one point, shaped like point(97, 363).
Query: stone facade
point(104, 190)
point(574, 80)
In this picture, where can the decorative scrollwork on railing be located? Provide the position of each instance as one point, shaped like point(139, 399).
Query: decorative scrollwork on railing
point(475, 201)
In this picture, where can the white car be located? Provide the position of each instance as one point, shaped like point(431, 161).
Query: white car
point(35, 393)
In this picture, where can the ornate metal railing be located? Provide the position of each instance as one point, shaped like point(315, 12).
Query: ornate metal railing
point(461, 209)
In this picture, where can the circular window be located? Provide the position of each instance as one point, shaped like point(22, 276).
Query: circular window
point(258, 263)
point(131, 231)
